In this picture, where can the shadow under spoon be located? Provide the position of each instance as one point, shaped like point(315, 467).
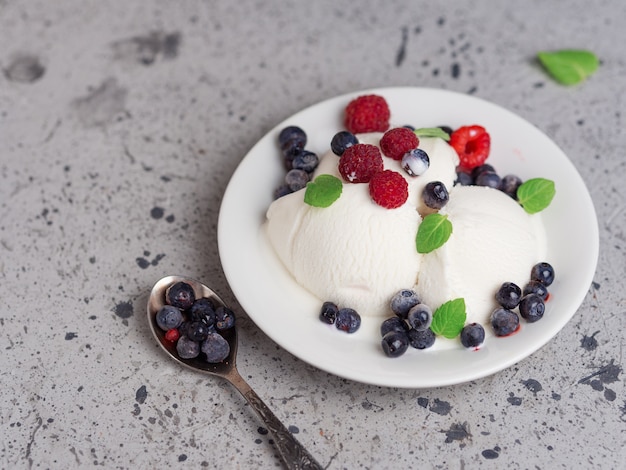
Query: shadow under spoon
point(293, 454)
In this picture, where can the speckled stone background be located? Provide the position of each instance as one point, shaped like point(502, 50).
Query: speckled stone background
point(120, 125)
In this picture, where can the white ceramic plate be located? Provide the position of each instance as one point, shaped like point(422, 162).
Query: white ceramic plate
point(288, 313)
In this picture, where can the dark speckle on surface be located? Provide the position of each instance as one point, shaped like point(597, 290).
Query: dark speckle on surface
point(141, 394)
point(423, 402)
point(145, 49)
point(457, 432)
point(157, 212)
point(401, 54)
point(604, 375)
point(490, 454)
point(589, 343)
point(70, 335)
point(101, 105)
point(532, 385)
point(440, 407)
point(123, 310)
point(513, 400)
point(24, 69)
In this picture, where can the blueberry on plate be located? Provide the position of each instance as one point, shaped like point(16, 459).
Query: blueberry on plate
point(472, 335)
point(504, 322)
point(542, 272)
point(509, 295)
point(536, 287)
point(292, 137)
point(532, 308)
point(341, 141)
point(421, 339)
point(348, 320)
point(393, 324)
point(420, 317)
point(328, 313)
point(403, 301)
point(395, 343)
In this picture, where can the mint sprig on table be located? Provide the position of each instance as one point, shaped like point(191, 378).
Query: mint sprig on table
point(433, 232)
point(449, 318)
point(323, 191)
point(569, 66)
point(432, 132)
point(536, 194)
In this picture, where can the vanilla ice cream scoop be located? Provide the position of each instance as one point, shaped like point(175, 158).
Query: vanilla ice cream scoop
point(354, 253)
point(493, 241)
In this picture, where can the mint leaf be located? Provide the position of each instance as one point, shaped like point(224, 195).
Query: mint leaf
point(569, 66)
point(432, 132)
point(536, 194)
point(432, 233)
point(323, 191)
point(449, 318)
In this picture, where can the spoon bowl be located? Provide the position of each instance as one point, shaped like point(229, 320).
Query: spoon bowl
point(293, 454)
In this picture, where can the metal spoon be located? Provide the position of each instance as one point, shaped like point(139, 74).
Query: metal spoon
point(294, 455)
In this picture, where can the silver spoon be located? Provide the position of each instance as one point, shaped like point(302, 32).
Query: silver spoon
point(294, 455)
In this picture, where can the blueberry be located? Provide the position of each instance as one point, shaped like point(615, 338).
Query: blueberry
point(215, 347)
point(395, 343)
point(296, 179)
point(480, 168)
point(224, 318)
point(509, 185)
point(420, 317)
point(197, 331)
point(532, 308)
point(447, 129)
point(328, 313)
point(348, 320)
point(180, 295)
point(536, 287)
point(393, 324)
point(542, 272)
point(403, 301)
point(421, 339)
point(341, 141)
point(435, 195)
point(463, 178)
point(509, 295)
point(169, 317)
point(203, 310)
point(489, 179)
point(292, 136)
point(305, 161)
point(472, 335)
point(281, 191)
point(187, 348)
point(415, 162)
point(504, 322)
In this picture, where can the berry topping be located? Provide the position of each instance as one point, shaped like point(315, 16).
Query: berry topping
point(203, 310)
point(532, 308)
point(415, 162)
point(197, 331)
point(368, 113)
point(509, 185)
point(472, 335)
point(169, 317)
point(224, 318)
point(504, 322)
point(421, 339)
point(180, 295)
point(360, 162)
point(542, 272)
point(536, 287)
point(296, 179)
point(393, 324)
point(187, 348)
point(487, 178)
point(389, 189)
point(306, 161)
point(172, 335)
point(292, 137)
point(509, 295)
point(328, 313)
point(463, 178)
point(420, 317)
point(435, 195)
point(395, 343)
point(403, 301)
point(472, 144)
point(341, 141)
point(348, 320)
point(215, 347)
point(398, 141)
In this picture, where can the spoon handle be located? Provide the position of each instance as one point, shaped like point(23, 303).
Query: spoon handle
point(294, 455)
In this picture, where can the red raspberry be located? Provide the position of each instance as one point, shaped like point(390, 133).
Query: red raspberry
point(172, 335)
point(360, 162)
point(367, 113)
point(473, 144)
point(398, 141)
point(389, 189)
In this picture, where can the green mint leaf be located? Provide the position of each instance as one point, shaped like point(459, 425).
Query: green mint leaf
point(433, 232)
point(323, 191)
point(449, 318)
point(536, 194)
point(569, 66)
point(432, 132)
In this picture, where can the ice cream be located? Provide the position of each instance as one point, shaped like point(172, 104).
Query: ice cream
point(358, 254)
point(493, 241)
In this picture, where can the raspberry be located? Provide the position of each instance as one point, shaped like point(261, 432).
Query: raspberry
point(472, 143)
point(398, 141)
point(367, 113)
point(389, 189)
point(360, 162)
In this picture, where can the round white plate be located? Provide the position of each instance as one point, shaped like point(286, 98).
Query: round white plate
point(288, 313)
